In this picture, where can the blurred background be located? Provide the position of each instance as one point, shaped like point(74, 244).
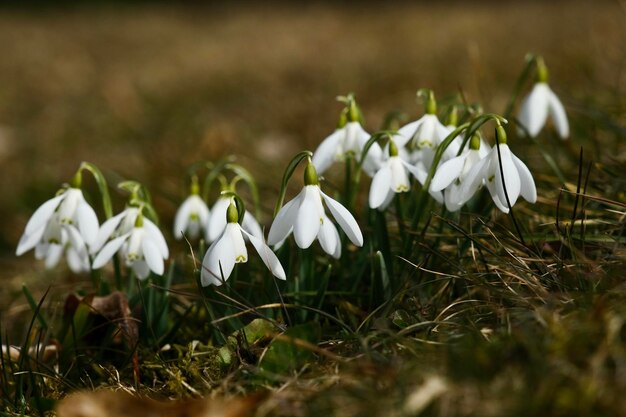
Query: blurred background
point(143, 90)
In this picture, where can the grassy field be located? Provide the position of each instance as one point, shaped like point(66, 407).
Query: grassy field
point(479, 323)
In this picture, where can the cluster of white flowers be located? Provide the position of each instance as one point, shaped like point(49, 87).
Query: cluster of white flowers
point(66, 224)
point(459, 172)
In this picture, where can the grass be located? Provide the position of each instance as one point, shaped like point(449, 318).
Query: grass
point(476, 319)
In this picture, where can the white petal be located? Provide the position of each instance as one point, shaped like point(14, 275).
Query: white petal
point(251, 226)
point(452, 196)
point(442, 132)
point(156, 236)
point(399, 177)
point(108, 251)
point(388, 198)
point(77, 262)
point(152, 255)
point(28, 241)
point(406, 133)
point(559, 116)
point(283, 223)
point(475, 178)
point(418, 171)
point(106, 230)
point(41, 216)
point(491, 186)
point(325, 154)
point(181, 220)
point(74, 238)
point(53, 255)
point(380, 187)
point(218, 263)
point(217, 220)
point(528, 190)
point(308, 218)
point(67, 208)
point(141, 269)
point(234, 232)
point(267, 255)
point(328, 237)
point(88, 224)
point(534, 109)
point(447, 172)
point(426, 134)
point(345, 220)
point(511, 176)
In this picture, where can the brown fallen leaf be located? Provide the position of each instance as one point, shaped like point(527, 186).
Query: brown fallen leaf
point(123, 404)
point(114, 309)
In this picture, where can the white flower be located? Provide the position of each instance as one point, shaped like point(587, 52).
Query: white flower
point(65, 222)
point(517, 178)
point(451, 175)
point(139, 249)
point(217, 221)
point(391, 178)
point(123, 224)
point(305, 216)
point(230, 248)
point(348, 139)
point(421, 138)
point(58, 238)
point(537, 106)
point(191, 218)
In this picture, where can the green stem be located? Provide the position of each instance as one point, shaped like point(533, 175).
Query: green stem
point(287, 175)
point(519, 84)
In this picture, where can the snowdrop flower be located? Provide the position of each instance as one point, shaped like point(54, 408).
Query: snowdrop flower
point(540, 103)
point(422, 136)
point(305, 217)
point(124, 223)
point(391, 178)
point(58, 238)
point(139, 249)
point(451, 175)
point(230, 248)
point(217, 222)
point(517, 178)
point(192, 216)
point(63, 223)
point(348, 138)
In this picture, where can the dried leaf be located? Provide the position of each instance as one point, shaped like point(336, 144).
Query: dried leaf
point(114, 309)
point(123, 404)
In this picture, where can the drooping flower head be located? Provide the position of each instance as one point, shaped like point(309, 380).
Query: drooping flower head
point(63, 224)
point(504, 174)
point(139, 248)
point(421, 137)
point(540, 104)
point(348, 139)
point(306, 218)
point(391, 178)
point(450, 176)
point(192, 217)
point(230, 249)
point(218, 220)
